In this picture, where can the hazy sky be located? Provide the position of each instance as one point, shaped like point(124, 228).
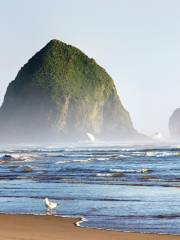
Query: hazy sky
point(136, 41)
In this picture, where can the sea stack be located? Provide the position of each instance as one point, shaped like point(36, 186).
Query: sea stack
point(174, 124)
point(61, 95)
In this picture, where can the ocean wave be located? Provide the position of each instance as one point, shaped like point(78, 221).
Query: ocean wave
point(18, 157)
point(73, 161)
point(24, 169)
point(53, 155)
point(143, 170)
point(63, 161)
point(109, 158)
point(92, 159)
point(109, 174)
point(161, 154)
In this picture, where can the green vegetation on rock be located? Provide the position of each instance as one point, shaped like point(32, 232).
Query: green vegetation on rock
point(62, 94)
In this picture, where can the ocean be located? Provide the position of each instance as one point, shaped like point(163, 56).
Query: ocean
point(120, 187)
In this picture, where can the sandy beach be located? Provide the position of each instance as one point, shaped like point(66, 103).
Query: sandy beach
point(29, 227)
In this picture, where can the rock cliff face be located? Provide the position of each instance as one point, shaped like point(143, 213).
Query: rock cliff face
point(61, 94)
point(174, 124)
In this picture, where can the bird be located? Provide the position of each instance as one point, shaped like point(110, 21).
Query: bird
point(91, 137)
point(49, 205)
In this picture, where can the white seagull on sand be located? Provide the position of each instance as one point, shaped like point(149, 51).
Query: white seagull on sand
point(49, 205)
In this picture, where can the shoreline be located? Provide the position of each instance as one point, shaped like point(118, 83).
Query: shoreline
point(45, 227)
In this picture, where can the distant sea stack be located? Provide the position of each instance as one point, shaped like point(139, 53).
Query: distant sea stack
point(61, 94)
point(174, 124)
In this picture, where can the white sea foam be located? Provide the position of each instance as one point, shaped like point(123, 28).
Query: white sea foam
point(113, 174)
point(63, 161)
point(18, 157)
point(73, 161)
point(143, 170)
point(161, 154)
point(104, 174)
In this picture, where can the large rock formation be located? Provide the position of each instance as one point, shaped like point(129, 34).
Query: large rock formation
point(61, 94)
point(174, 124)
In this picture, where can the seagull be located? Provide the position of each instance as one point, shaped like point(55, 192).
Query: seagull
point(91, 137)
point(49, 205)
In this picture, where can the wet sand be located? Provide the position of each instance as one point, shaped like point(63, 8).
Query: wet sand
point(29, 227)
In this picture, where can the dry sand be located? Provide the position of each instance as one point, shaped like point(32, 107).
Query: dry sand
point(29, 227)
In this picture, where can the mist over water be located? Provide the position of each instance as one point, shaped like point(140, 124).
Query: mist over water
point(120, 186)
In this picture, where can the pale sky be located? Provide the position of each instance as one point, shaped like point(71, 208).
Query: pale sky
point(136, 41)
